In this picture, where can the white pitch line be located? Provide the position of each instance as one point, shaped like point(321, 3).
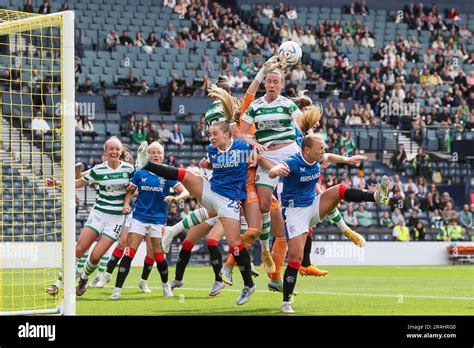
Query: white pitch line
point(327, 293)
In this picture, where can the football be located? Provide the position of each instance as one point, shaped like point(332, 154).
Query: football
point(291, 52)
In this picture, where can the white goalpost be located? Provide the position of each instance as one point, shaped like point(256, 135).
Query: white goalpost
point(38, 226)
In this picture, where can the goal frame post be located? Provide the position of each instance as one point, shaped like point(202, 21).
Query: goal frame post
point(65, 20)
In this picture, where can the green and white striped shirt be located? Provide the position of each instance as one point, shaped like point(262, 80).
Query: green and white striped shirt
point(111, 186)
point(273, 121)
point(214, 114)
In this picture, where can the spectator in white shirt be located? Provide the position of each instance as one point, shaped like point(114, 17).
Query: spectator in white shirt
point(194, 168)
point(39, 125)
point(238, 81)
point(112, 40)
point(349, 216)
point(86, 127)
point(438, 43)
point(465, 33)
point(298, 73)
point(285, 33)
point(169, 3)
point(230, 78)
point(163, 133)
point(308, 38)
point(348, 41)
point(398, 93)
point(291, 13)
point(367, 41)
point(268, 11)
point(240, 44)
point(358, 179)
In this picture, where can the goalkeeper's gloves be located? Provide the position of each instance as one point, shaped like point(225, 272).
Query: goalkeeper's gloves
point(271, 63)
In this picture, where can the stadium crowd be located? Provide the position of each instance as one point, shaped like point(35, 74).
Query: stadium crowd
point(442, 90)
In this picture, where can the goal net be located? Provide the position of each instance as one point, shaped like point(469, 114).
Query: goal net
point(37, 224)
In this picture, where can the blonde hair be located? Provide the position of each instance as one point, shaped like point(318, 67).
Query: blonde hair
point(302, 100)
point(229, 104)
point(309, 118)
point(156, 144)
point(277, 71)
point(237, 109)
point(223, 126)
point(309, 139)
point(126, 155)
point(111, 139)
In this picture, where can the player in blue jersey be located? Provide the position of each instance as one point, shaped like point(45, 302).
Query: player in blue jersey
point(303, 208)
point(307, 268)
point(196, 227)
point(149, 217)
point(222, 195)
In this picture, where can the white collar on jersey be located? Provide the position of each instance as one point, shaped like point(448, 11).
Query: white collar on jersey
point(305, 161)
point(269, 103)
point(107, 164)
point(231, 142)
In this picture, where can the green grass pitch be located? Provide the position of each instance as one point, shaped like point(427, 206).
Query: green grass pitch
point(375, 290)
point(431, 290)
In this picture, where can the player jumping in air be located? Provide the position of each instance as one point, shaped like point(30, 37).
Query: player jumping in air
point(221, 196)
point(221, 109)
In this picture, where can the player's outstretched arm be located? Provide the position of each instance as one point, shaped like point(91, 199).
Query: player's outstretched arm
point(244, 128)
point(80, 183)
point(354, 160)
point(281, 169)
point(264, 163)
point(183, 194)
point(52, 182)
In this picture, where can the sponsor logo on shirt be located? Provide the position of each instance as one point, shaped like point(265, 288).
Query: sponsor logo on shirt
point(152, 188)
point(309, 177)
point(116, 187)
point(270, 124)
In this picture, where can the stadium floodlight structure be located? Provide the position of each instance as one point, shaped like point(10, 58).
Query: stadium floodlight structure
point(37, 224)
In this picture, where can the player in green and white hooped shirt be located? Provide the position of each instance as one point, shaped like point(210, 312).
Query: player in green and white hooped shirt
point(275, 138)
point(106, 220)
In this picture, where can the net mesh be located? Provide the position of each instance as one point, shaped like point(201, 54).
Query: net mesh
point(31, 128)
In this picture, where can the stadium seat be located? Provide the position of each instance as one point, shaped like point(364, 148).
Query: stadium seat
point(374, 237)
point(320, 237)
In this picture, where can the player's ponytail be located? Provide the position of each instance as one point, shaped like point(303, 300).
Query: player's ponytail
point(237, 109)
point(126, 155)
point(309, 118)
point(228, 102)
point(302, 100)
